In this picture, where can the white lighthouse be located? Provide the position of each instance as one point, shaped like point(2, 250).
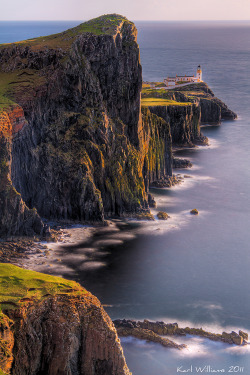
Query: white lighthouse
point(199, 74)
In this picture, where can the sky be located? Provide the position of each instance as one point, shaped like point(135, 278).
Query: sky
point(132, 9)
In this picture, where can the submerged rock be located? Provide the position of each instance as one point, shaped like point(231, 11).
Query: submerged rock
point(167, 181)
point(145, 216)
point(181, 163)
point(194, 211)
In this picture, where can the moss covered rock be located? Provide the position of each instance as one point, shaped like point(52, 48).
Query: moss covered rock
point(162, 215)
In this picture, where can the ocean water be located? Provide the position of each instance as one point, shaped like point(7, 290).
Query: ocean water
point(190, 270)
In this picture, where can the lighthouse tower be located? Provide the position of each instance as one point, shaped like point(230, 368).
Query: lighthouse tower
point(199, 74)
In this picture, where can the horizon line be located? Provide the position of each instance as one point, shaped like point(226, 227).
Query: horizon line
point(148, 20)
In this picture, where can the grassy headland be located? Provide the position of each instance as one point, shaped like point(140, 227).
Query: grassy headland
point(18, 286)
point(25, 81)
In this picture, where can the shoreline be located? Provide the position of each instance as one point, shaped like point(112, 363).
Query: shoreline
point(35, 254)
point(45, 257)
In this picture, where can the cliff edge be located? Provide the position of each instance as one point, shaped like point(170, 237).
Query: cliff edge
point(50, 326)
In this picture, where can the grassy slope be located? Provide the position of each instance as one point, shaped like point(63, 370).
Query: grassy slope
point(18, 285)
point(104, 25)
point(163, 97)
point(17, 81)
point(150, 102)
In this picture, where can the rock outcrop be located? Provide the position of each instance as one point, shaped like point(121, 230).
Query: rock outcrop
point(172, 329)
point(184, 123)
point(213, 110)
point(64, 331)
point(127, 328)
point(185, 109)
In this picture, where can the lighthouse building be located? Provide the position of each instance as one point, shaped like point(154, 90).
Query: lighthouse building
point(178, 80)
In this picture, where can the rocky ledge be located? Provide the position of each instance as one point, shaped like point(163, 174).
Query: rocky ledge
point(147, 329)
point(50, 326)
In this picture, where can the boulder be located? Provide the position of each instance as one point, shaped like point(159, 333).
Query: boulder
point(244, 335)
point(162, 215)
point(194, 212)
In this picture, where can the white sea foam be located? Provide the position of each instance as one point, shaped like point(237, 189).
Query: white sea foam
point(214, 327)
point(212, 144)
point(108, 242)
point(89, 265)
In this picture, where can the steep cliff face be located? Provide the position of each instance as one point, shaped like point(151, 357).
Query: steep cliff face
point(158, 160)
point(213, 110)
point(15, 217)
point(80, 148)
point(184, 122)
point(81, 153)
point(55, 327)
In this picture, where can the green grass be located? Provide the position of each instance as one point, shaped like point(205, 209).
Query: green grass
point(18, 285)
point(151, 102)
point(21, 83)
point(106, 24)
point(18, 83)
point(160, 84)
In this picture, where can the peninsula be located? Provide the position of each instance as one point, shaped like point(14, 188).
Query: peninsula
point(81, 140)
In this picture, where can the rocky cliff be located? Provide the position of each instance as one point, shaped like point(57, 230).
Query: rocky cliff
point(184, 122)
point(53, 326)
point(80, 147)
point(84, 149)
point(185, 109)
point(213, 110)
point(15, 217)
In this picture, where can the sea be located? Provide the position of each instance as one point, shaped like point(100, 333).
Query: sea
point(193, 270)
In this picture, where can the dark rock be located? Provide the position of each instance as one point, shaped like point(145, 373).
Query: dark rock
point(166, 181)
point(181, 163)
point(161, 328)
point(244, 335)
point(194, 212)
point(184, 123)
point(151, 201)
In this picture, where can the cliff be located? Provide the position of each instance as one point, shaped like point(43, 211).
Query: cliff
point(185, 109)
point(213, 110)
point(80, 147)
point(50, 326)
point(15, 217)
point(184, 122)
point(80, 91)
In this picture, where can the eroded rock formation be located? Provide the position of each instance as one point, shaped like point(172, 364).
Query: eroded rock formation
point(63, 330)
point(135, 328)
